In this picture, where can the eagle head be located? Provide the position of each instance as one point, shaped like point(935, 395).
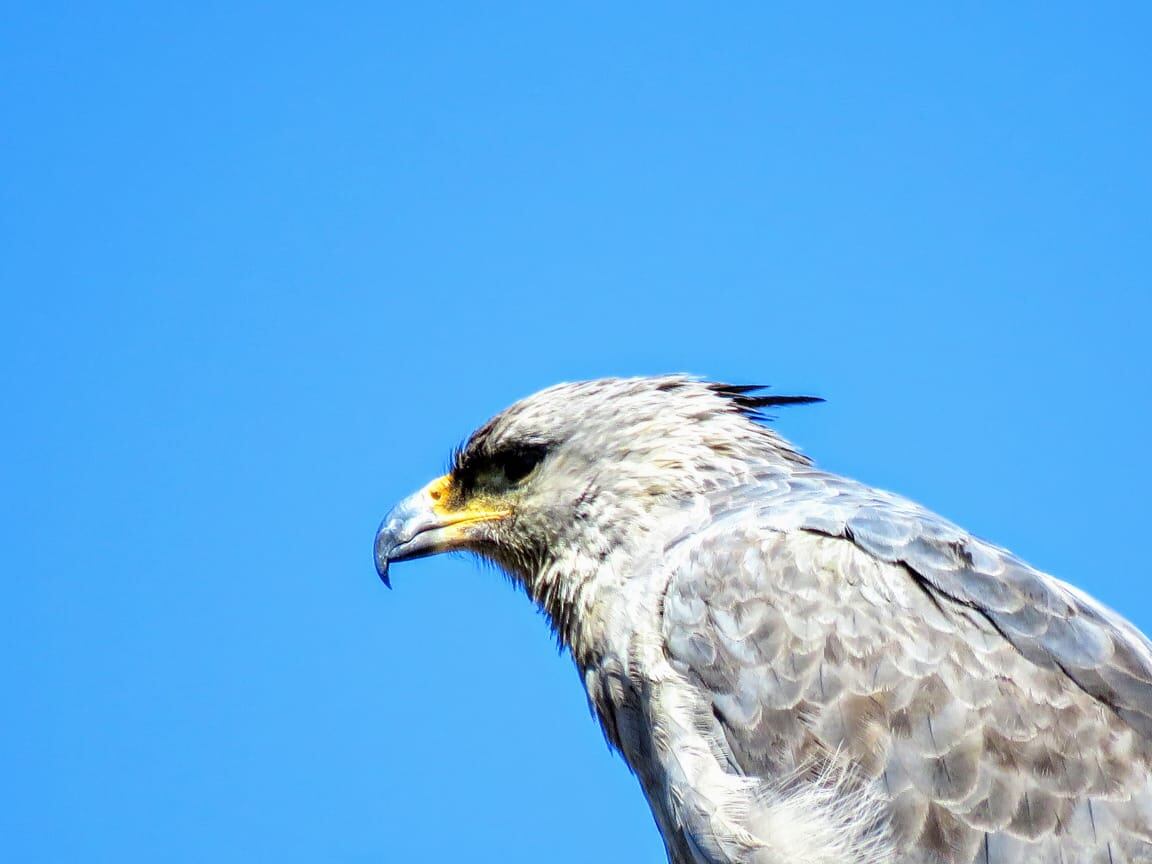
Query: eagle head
point(586, 469)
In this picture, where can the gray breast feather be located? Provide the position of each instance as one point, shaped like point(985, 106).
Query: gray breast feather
point(1003, 715)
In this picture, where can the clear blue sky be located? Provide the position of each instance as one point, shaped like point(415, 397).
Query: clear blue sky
point(263, 266)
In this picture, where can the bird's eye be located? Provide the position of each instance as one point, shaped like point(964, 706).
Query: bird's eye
point(519, 463)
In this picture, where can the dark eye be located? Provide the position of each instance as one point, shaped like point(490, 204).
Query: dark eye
point(518, 464)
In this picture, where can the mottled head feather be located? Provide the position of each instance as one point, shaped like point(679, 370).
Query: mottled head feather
point(679, 399)
point(595, 469)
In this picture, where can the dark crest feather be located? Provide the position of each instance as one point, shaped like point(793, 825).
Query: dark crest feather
point(750, 402)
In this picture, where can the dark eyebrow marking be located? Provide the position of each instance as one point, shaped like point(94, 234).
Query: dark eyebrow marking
point(515, 458)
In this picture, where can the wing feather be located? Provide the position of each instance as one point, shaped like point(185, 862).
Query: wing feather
point(999, 710)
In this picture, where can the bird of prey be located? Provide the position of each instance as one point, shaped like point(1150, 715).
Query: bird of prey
point(797, 667)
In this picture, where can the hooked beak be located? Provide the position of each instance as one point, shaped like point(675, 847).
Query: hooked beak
point(421, 525)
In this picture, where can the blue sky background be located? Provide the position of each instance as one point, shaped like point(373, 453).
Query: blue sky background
point(263, 266)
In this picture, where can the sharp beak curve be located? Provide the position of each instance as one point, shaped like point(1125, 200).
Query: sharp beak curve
point(420, 525)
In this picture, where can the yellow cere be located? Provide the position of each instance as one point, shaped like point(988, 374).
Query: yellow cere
point(447, 502)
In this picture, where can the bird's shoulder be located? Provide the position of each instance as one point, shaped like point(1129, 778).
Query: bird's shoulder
point(993, 703)
point(908, 548)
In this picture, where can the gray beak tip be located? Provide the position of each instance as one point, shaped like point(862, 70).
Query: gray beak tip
point(411, 530)
point(381, 550)
point(382, 566)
